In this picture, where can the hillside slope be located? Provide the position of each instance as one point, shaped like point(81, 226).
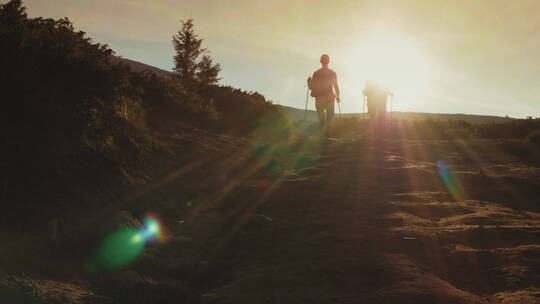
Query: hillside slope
point(375, 222)
point(344, 222)
point(136, 66)
point(295, 114)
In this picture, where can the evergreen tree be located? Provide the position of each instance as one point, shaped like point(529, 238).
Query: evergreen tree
point(207, 71)
point(188, 67)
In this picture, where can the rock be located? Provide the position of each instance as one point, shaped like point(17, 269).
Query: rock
point(184, 267)
point(205, 225)
point(180, 257)
point(122, 280)
point(262, 217)
point(183, 257)
point(260, 220)
point(35, 291)
point(202, 269)
point(211, 298)
point(183, 247)
point(53, 229)
point(124, 219)
point(181, 243)
point(120, 220)
point(130, 287)
point(95, 299)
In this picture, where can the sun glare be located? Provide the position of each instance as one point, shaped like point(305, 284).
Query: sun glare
point(395, 62)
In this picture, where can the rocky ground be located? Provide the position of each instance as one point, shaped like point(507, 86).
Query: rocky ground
point(332, 221)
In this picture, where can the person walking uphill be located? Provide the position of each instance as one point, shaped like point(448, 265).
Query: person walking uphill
point(376, 101)
point(325, 89)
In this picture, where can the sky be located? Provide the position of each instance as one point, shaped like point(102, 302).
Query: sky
point(473, 56)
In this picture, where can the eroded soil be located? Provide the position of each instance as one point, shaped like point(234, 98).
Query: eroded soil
point(339, 221)
point(374, 222)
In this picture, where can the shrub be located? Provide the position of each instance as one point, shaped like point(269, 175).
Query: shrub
point(69, 116)
point(534, 137)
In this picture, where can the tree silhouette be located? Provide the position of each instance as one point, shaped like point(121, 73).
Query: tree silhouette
point(12, 11)
point(73, 118)
point(207, 71)
point(189, 67)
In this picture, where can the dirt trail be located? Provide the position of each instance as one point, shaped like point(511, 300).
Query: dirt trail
point(333, 221)
point(373, 222)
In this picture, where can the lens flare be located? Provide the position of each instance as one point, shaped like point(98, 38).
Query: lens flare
point(136, 238)
point(450, 180)
point(152, 230)
point(120, 249)
point(124, 246)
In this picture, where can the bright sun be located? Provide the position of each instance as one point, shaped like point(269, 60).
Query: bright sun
point(395, 62)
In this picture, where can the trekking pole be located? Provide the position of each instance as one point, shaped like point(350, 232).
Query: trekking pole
point(339, 107)
point(364, 106)
point(307, 97)
point(391, 110)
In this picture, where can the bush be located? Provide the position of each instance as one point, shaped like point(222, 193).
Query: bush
point(69, 116)
point(167, 99)
point(534, 137)
point(72, 119)
point(245, 113)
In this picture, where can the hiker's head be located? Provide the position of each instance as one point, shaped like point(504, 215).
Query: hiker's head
point(371, 84)
point(325, 59)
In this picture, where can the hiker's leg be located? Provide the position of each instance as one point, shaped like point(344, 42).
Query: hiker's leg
point(372, 121)
point(330, 110)
point(329, 116)
point(372, 114)
point(319, 105)
point(376, 123)
point(384, 123)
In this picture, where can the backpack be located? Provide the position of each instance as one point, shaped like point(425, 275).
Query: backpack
point(320, 85)
point(315, 86)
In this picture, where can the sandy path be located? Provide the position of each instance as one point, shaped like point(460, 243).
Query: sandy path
point(374, 223)
point(345, 222)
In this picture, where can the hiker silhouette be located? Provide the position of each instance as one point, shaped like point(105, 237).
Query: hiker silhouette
point(325, 89)
point(376, 96)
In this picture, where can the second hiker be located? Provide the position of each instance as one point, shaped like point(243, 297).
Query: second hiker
point(376, 101)
point(325, 89)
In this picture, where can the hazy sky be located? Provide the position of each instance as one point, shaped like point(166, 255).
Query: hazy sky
point(473, 56)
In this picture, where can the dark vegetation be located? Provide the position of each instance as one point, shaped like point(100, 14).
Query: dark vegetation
point(298, 115)
point(74, 117)
point(529, 129)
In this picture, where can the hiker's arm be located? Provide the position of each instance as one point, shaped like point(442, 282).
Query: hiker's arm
point(336, 89)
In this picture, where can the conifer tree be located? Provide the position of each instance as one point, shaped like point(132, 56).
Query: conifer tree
point(193, 64)
point(207, 71)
